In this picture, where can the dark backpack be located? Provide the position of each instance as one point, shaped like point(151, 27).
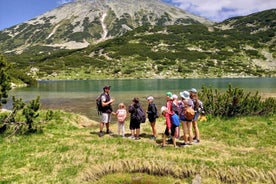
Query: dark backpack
point(140, 115)
point(99, 103)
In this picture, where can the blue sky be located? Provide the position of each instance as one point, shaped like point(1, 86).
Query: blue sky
point(13, 12)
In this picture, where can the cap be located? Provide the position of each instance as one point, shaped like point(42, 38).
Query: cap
point(185, 94)
point(106, 87)
point(169, 94)
point(163, 108)
point(150, 98)
point(193, 90)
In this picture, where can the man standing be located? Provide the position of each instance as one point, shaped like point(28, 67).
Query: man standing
point(106, 110)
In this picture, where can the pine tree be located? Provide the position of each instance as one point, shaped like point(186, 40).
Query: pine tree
point(4, 81)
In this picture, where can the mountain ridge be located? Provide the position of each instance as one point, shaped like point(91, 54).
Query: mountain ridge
point(84, 22)
point(238, 47)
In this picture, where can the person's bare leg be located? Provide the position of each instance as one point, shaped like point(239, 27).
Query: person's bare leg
point(185, 132)
point(137, 133)
point(153, 129)
point(101, 126)
point(190, 132)
point(107, 127)
point(164, 140)
point(174, 141)
point(196, 130)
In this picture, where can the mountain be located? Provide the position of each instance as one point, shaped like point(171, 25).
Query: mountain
point(238, 47)
point(85, 22)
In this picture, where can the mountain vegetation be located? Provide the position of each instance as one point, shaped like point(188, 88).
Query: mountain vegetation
point(168, 47)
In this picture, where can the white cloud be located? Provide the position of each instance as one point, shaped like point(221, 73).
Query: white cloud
point(220, 10)
point(61, 2)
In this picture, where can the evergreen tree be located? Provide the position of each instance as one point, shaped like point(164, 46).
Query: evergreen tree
point(4, 81)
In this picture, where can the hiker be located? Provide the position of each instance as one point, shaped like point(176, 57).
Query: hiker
point(186, 121)
point(106, 110)
point(121, 117)
point(152, 115)
point(135, 119)
point(198, 106)
point(175, 108)
point(170, 128)
point(174, 120)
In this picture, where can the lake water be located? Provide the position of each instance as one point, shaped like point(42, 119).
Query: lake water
point(79, 96)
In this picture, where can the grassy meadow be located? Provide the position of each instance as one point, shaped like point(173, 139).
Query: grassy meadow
point(68, 150)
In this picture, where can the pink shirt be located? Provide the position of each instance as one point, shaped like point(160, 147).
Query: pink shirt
point(168, 120)
point(121, 115)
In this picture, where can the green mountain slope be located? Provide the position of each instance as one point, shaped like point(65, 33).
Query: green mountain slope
point(238, 47)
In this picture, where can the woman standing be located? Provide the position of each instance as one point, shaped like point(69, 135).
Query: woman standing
point(186, 122)
point(134, 125)
point(198, 106)
point(152, 115)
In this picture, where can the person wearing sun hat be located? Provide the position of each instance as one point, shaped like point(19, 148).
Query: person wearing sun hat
point(198, 106)
point(186, 124)
point(152, 115)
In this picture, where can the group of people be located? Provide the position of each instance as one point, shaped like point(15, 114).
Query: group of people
point(177, 112)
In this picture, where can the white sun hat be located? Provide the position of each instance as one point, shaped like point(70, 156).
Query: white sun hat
point(185, 94)
point(163, 108)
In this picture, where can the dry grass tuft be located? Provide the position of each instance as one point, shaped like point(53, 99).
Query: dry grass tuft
point(162, 168)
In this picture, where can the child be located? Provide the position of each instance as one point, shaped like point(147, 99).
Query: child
point(121, 114)
point(152, 115)
point(170, 127)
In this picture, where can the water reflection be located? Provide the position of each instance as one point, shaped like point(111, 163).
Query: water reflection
point(79, 96)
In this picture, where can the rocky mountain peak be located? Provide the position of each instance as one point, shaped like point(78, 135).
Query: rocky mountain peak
point(84, 22)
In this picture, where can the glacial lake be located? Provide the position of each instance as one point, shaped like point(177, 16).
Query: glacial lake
point(79, 96)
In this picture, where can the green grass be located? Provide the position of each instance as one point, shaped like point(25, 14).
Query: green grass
point(238, 150)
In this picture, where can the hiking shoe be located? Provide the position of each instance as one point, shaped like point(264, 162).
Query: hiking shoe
point(109, 132)
point(169, 141)
point(101, 134)
point(131, 137)
point(153, 138)
point(197, 141)
point(184, 144)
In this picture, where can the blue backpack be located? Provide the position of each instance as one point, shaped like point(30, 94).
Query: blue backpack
point(175, 120)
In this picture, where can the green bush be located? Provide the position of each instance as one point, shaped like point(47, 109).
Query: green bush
point(235, 102)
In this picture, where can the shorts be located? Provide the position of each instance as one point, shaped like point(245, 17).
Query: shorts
point(106, 117)
point(173, 128)
point(134, 124)
point(183, 119)
point(152, 120)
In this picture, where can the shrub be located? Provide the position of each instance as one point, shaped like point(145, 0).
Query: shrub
point(235, 102)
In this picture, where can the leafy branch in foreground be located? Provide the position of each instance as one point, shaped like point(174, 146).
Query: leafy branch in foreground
point(30, 113)
point(235, 102)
